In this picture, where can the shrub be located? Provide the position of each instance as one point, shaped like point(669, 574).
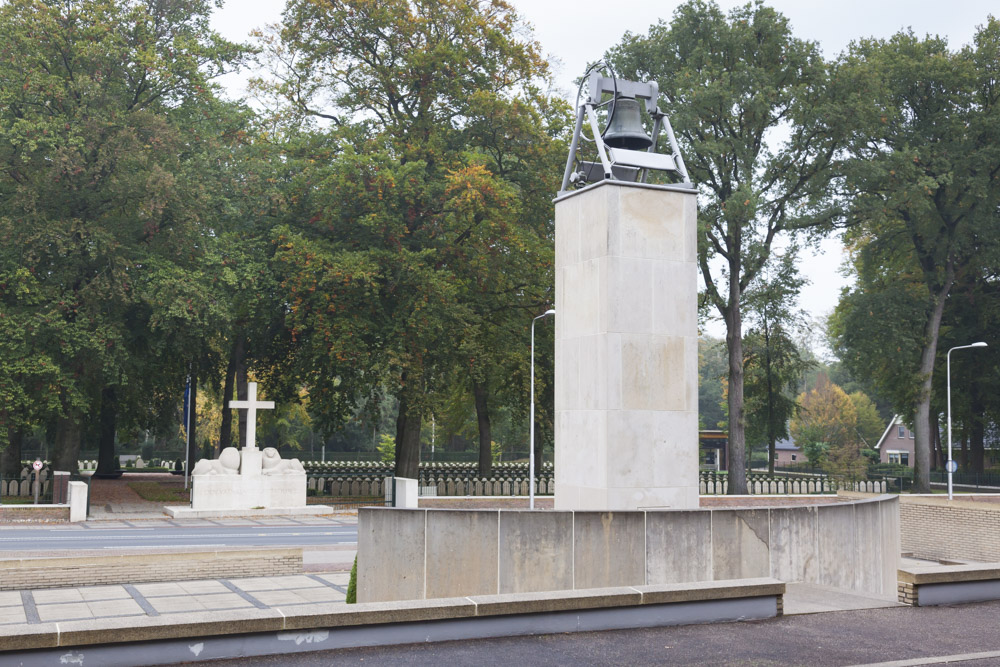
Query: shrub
point(352, 585)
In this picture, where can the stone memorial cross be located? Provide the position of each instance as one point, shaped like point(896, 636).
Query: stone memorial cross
point(251, 405)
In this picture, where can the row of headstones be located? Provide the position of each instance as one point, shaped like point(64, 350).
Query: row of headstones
point(794, 486)
point(28, 471)
point(21, 487)
point(373, 467)
point(91, 464)
point(340, 487)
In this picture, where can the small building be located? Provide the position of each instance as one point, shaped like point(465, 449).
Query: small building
point(896, 444)
point(786, 452)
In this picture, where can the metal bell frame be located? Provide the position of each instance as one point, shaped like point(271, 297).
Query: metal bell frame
point(621, 163)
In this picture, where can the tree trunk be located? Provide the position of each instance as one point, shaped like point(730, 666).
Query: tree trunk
point(241, 391)
point(736, 458)
point(107, 462)
point(922, 415)
point(485, 431)
point(940, 455)
point(226, 431)
point(10, 457)
point(66, 452)
point(407, 442)
point(976, 429)
point(191, 426)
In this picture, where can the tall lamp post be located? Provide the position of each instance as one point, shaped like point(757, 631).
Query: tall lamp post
point(531, 423)
point(951, 466)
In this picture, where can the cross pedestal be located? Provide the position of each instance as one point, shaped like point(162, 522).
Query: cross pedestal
point(248, 481)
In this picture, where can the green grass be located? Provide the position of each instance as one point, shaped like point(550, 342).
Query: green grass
point(17, 500)
point(158, 492)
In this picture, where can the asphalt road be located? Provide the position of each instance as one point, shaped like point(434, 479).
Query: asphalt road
point(963, 635)
point(71, 538)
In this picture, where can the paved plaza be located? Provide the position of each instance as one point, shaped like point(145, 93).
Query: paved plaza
point(173, 599)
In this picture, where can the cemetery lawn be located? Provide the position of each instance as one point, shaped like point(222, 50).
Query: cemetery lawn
point(16, 500)
point(160, 492)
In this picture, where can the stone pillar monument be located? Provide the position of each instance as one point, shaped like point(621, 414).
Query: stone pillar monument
point(626, 371)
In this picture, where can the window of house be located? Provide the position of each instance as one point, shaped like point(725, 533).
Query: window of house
point(899, 458)
point(901, 431)
point(793, 457)
point(911, 435)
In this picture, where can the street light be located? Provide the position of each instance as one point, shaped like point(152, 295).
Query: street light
point(950, 466)
point(531, 423)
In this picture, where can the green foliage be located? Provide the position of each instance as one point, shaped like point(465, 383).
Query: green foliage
point(352, 584)
point(924, 156)
point(103, 189)
point(772, 362)
point(826, 427)
point(423, 211)
point(745, 98)
point(387, 448)
point(712, 372)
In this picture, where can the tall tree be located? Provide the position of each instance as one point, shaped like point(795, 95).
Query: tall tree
point(745, 97)
point(921, 186)
point(772, 362)
point(414, 199)
point(99, 103)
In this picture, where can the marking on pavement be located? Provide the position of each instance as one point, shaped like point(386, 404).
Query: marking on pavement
point(243, 594)
point(30, 610)
point(936, 660)
point(323, 581)
point(140, 600)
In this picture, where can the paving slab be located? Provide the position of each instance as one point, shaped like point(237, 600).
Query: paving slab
point(804, 598)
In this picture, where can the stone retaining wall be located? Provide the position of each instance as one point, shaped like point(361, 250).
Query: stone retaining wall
point(428, 553)
point(36, 573)
point(934, 528)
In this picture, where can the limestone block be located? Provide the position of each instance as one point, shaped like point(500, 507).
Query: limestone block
point(678, 546)
point(405, 493)
point(740, 544)
point(630, 295)
point(651, 497)
point(652, 448)
point(536, 551)
point(653, 373)
point(793, 542)
point(656, 224)
point(672, 316)
point(391, 554)
point(836, 545)
point(284, 490)
point(608, 549)
point(891, 538)
point(78, 501)
point(461, 553)
point(568, 231)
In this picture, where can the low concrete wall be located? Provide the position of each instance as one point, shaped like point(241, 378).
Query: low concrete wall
point(36, 573)
point(935, 528)
point(318, 627)
point(427, 553)
point(949, 584)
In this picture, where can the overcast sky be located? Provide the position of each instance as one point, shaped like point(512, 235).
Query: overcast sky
point(573, 32)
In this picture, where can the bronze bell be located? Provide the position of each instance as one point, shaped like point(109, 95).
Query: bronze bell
point(625, 126)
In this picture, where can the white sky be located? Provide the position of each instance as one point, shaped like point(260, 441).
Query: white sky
point(575, 31)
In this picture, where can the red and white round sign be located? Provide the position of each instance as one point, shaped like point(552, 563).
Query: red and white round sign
point(37, 465)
